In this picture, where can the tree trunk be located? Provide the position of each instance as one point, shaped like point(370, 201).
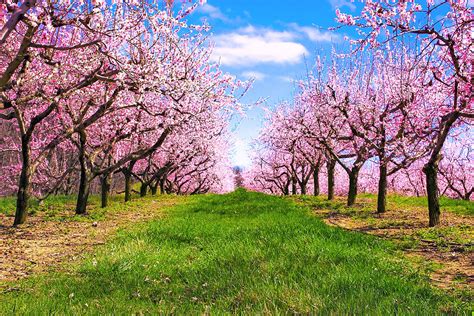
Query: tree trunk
point(128, 186)
point(154, 189)
point(431, 168)
point(127, 172)
point(105, 190)
point(331, 166)
point(303, 188)
point(143, 189)
point(162, 185)
point(431, 172)
point(84, 182)
point(353, 177)
point(294, 189)
point(24, 185)
point(382, 192)
point(83, 194)
point(316, 181)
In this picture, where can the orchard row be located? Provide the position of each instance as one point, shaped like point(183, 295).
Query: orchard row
point(394, 114)
point(94, 93)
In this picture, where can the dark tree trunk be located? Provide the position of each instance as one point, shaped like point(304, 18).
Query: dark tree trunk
point(127, 172)
point(83, 194)
point(316, 181)
point(431, 172)
point(303, 188)
point(331, 166)
point(294, 188)
point(143, 189)
point(24, 184)
point(105, 190)
point(353, 177)
point(431, 168)
point(154, 189)
point(128, 186)
point(84, 181)
point(162, 185)
point(382, 192)
point(467, 196)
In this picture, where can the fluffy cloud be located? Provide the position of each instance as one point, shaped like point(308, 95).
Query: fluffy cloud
point(251, 45)
point(287, 79)
point(213, 12)
point(342, 3)
point(253, 75)
point(315, 34)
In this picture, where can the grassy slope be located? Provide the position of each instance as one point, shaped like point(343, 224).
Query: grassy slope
point(368, 203)
point(240, 253)
point(364, 211)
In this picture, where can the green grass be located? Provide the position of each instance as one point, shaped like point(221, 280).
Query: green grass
point(367, 203)
point(61, 207)
point(241, 253)
point(7, 205)
point(365, 212)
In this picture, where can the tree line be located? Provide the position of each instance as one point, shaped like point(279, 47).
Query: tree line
point(92, 91)
point(393, 113)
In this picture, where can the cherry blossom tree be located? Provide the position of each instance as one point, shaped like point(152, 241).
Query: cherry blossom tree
point(108, 74)
point(443, 31)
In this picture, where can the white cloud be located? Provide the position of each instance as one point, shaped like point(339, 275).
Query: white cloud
point(342, 3)
point(315, 34)
point(213, 12)
point(253, 75)
point(287, 79)
point(251, 45)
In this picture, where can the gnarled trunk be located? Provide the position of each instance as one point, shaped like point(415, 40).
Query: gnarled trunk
point(24, 184)
point(431, 167)
point(431, 172)
point(127, 172)
point(316, 181)
point(303, 189)
point(143, 189)
point(154, 189)
point(294, 189)
point(353, 178)
point(128, 186)
point(105, 182)
point(331, 166)
point(162, 185)
point(83, 194)
point(382, 191)
point(84, 181)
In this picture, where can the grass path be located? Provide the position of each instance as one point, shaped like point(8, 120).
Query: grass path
point(446, 250)
point(237, 253)
point(53, 235)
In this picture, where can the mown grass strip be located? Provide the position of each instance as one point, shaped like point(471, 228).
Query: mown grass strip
point(238, 253)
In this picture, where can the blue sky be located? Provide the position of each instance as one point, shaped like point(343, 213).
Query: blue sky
point(273, 42)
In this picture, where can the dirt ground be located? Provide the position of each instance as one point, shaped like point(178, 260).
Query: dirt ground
point(451, 251)
point(42, 244)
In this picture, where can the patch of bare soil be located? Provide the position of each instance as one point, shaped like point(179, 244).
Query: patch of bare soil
point(450, 250)
point(41, 244)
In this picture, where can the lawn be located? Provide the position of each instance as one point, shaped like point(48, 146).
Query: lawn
point(238, 253)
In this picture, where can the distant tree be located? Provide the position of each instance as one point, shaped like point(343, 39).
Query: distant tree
point(238, 177)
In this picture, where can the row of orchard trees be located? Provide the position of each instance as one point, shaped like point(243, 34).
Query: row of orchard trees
point(398, 107)
point(90, 90)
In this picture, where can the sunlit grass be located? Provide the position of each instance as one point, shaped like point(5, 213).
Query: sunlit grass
point(241, 253)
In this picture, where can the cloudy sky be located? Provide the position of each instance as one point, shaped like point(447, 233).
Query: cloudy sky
point(273, 42)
